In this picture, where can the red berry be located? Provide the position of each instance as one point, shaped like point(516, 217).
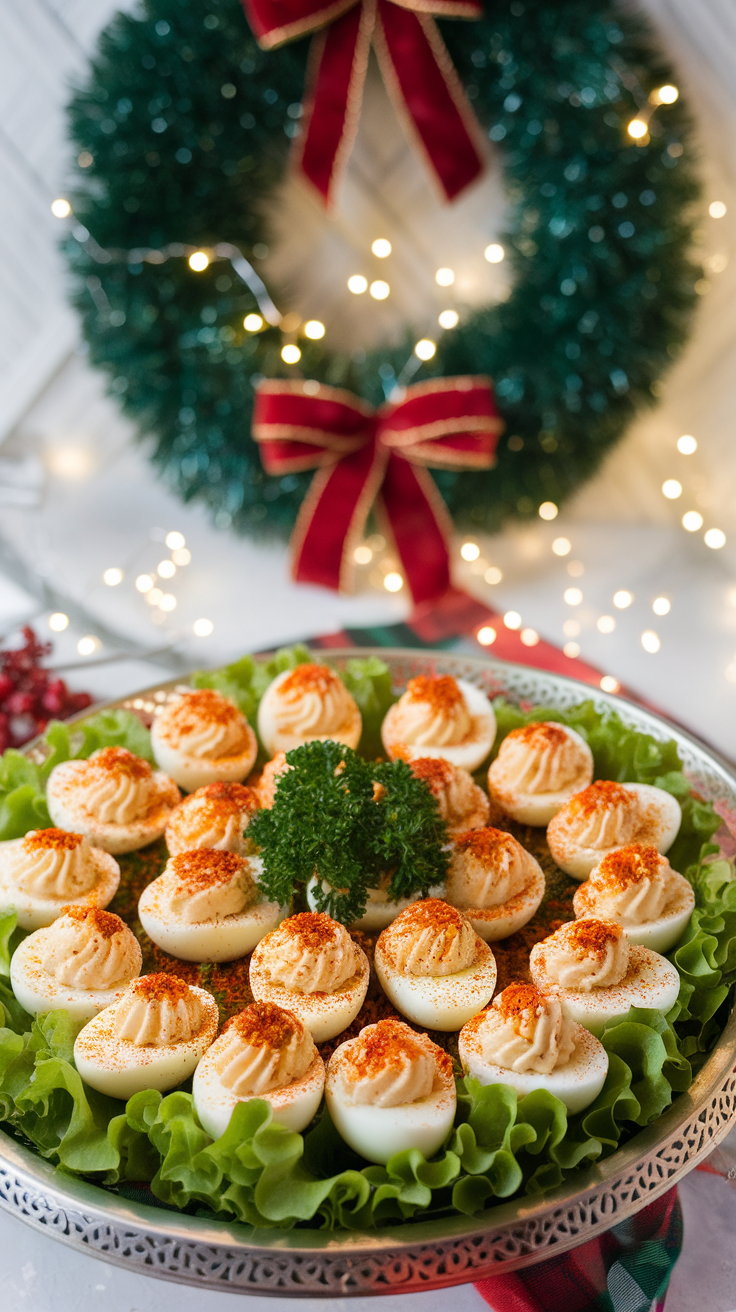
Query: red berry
point(20, 703)
point(6, 686)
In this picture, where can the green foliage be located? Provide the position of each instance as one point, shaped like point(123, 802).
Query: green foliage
point(183, 128)
point(328, 822)
point(368, 678)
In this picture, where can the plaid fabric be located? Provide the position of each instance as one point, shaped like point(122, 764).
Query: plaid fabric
point(628, 1268)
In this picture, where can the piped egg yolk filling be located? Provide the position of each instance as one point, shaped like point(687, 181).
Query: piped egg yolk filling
point(87, 948)
point(206, 885)
point(310, 953)
point(214, 816)
point(430, 938)
point(204, 724)
point(113, 785)
point(311, 702)
point(51, 863)
point(632, 883)
point(388, 1065)
point(604, 815)
point(488, 867)
point(586, 954)
point(461, 803)
point(157, 1011)
point(261, 1049)
point(525, 1030)
point(269, 780)
point(539, 758)
point(431, 713)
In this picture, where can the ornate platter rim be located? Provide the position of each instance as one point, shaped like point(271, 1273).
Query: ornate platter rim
point(424, 1254)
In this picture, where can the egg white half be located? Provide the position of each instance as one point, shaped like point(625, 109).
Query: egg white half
point(37, 912)
point(121, 1068)
point(293, 1106)
point(577, 1083)
point(209, 940)
point(650, 982)
point(115, 838)
point(538, 808)
point(659, 827)
point(494, 923)
point(39, 992)
point(470, 753)
point(324, 1014)
point(439, 1002)
point(376, 1133)
point(192, 772)
point(661, 934)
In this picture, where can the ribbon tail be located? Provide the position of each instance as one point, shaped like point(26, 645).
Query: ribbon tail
point(338, 62)
point(332, 518)
point(419, 523)
point(428, 96)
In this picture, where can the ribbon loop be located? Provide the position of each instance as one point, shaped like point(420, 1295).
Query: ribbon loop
point(416, 67)
point(367, 458)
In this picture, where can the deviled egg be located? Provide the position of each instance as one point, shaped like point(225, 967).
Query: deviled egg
point(151, 1037)
point(80, 963)
point(269, 780)
point(461, 803)
point(433, 966)
point(311, 966)
point(608, 815)
point(114, 798)
point(391, 1089)
point(638, 888)
point(538, 768)
point(200, 737)
point(526, 1039)
point(263, 1052)
point(207, 906)
point(50, 868)
point(214, 816)
point(440, 716)
point(306, 703)
point(598, 975)
point(494, 881)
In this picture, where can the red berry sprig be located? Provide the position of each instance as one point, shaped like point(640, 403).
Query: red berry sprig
point(29, 695)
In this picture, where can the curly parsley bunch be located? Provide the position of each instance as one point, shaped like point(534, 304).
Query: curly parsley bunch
point(351, 823)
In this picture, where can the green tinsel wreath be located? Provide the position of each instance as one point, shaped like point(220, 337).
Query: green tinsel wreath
point(184, 127)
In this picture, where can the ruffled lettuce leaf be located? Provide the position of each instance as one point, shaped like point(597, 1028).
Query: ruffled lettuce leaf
point(368, 678)
point(43, 1097)
point(705, 958)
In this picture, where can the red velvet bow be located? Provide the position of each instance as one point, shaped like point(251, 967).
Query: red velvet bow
point(416, 67)
point(364, 456)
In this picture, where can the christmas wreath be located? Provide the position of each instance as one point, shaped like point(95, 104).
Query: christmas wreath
point(183, 130)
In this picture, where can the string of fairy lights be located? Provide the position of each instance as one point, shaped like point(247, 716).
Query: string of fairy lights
point(153, 586)
point(378, 567)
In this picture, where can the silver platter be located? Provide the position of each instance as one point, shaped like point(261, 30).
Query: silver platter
point(427, 1254)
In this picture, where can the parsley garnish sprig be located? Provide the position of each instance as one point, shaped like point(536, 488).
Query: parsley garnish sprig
point(349, 823)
